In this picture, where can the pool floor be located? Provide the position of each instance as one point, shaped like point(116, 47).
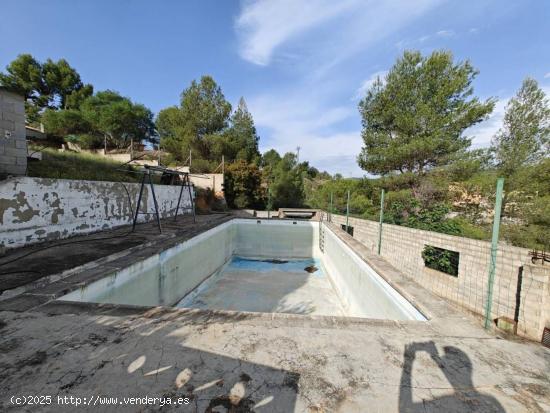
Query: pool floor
point(282, 286)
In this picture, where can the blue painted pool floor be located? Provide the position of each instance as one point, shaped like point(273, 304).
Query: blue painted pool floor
point(297, 286)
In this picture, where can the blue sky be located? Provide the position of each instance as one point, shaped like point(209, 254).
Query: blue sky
point(301, 66)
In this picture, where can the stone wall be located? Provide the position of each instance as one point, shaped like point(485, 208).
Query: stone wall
point(13, 144)
point(521, 289)
point(37, 209)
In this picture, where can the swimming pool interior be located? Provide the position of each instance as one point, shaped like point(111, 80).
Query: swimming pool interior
point(268, 266)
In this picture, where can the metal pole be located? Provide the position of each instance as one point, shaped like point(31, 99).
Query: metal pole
point(494, 248)
point(330, 208)
point(157, 213)
point(138, 202)
point(192, 199)
point(159, 155)
point(381, 221)
point(347, 214)
point(269, 202)
point(179, 199)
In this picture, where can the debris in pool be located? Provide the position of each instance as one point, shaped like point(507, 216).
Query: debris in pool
point(270, 261)
point(311, 269)
point(275, 261)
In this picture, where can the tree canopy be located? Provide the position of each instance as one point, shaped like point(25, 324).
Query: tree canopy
point(525, 135)
point(415, 118)
point(204, 124)
point(54, 85)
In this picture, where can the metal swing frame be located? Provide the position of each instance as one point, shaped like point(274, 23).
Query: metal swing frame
point(148, 172)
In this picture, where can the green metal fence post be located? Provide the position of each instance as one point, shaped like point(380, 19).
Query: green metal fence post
point(494, 248)
point(330, 210)
point(381, 220)
point(347, 214)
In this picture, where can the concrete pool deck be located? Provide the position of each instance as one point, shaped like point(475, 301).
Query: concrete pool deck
point(260, 361)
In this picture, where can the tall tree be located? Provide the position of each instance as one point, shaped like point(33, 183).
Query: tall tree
point(54, 85)
point(415, 119)
point(24, 76)
point(203, 112)
point(239, 140)
point(525, 135)
point(284, 177)
point(243, 133)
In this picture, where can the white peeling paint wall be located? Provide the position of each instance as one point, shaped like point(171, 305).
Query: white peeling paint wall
point(39, 209)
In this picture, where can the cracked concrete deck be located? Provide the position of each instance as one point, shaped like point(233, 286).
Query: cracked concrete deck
point(264, 362)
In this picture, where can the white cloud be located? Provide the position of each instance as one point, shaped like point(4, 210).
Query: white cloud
point(547, 75)
point(264, 25)
point(367, 84)
point(402, 44)
point(445, 33)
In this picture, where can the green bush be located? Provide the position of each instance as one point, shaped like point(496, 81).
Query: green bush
point(441, 260)
point(242, 186)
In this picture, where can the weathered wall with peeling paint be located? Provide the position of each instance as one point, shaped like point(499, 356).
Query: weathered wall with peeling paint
point(38, 209)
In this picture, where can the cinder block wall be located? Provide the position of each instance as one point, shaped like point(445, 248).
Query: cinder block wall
point(528, 300)
point(38, 209)
point(13, 144)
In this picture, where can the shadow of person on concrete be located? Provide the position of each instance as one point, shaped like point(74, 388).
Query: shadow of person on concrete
point(457, 368)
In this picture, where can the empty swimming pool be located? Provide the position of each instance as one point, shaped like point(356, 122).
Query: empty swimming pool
point(259, 266)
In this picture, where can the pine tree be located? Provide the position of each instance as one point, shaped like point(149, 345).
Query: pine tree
point(525, 136)
point(416, 119)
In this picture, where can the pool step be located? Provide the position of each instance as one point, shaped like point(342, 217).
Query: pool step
point(321, 234)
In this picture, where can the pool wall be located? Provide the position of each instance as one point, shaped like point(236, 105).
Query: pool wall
point(361, 290)
point(165, 278)
point(272, 239)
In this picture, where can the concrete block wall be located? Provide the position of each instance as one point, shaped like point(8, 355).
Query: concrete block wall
point(13, 144)
point(529, 299)
point(37, 209)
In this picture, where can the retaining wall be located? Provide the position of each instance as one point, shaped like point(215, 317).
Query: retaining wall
point(38, 209)
point(521, 289)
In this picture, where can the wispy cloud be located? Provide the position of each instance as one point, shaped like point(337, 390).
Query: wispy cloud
point(367, 84)
point(264, 25)
point(547, 75)
point(445, 33)
point(440, 34)
point(342, 27)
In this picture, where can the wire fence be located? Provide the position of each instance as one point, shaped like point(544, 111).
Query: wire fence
point(488, 277)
